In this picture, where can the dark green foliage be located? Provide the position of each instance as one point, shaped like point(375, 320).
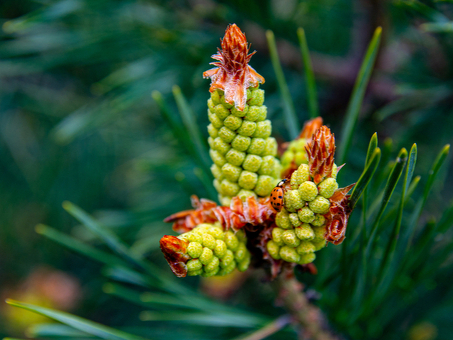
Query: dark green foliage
point(89, 114)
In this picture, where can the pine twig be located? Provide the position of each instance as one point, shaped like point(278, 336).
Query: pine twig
point(308, 316)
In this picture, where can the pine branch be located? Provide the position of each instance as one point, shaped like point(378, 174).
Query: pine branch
point(308, 316)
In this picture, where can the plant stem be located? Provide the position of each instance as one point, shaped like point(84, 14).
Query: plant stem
point(308, 316)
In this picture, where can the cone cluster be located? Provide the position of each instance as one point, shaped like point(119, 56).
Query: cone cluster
point(301, 225)
point(241, 147)
point(295, 154)
point(215, 252)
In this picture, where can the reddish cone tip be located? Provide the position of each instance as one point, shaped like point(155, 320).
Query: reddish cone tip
point(321, 151)
point(233, 74)
point(310, 127)
point(175, 252)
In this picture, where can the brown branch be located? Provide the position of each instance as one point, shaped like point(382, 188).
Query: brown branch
point(306, 315)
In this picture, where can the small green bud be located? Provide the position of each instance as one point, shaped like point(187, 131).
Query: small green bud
point(217, 158)
point(319, 244)
point(289, 254)
point(215, 121)
point(256, 146)
point(290, 238)
point(264, 185)
point(263, 129)
point(301, 157)
point(241, 143)
point(211, 273)
point(247, 128)
point(216, 232)
point(213, 132)
point(227, 259)
point(217, 185)
point(307, 258)
point(306, 215)
point(327, 187)
point(334, 171)
point(240, 234)
point(319, 233)
point(268, 166)
point(277, 236)
point(271, 147)
point(253, 113)
point(257, 98)
point(248, 180)
point(305, 247)
point(304, 232)
point(243, 194)
point(211, 142)
point(318, 221)
point(194, 249)
point(194, 237)
point(319, 205)
point(308, 191)
point(225, 200)
point(208, 241)
point(195, 272)
point(235, 157)
point(221, 111)
point(282, 219)
point(206, 256)
point(220, 145)
point(231, 172)
point(226, 134)
point(294, 219)
point(227, 270)
point(273, 249)
point(231, 240)
point(300, 175)
point(229, 188)
point(293, 200)
point(193, 265)
point(220, 248)
point(217, 172)
point(213, 265)
point(235, 112)
point(215, 96)
point(262, 113)
point(252, 163)
point(211, 104)
point(244, 264)
point(241, 252)
point(286, 159)
point(232, 122)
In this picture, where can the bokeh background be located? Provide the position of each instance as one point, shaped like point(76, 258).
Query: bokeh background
point(78, 122)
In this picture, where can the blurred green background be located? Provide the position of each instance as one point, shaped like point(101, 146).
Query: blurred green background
point(78, 123)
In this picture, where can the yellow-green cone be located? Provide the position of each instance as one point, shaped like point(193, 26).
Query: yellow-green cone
point(212, 251)
point(300, 224)
point(241, 147)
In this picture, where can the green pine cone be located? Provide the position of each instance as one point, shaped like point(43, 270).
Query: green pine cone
point(300, 224)
point(241, 148)
point(214, 252)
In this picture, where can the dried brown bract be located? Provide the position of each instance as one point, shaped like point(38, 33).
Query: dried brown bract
point(233, 74)
point(321, 151)
point(175, 252)
point(338, 215)
point(251, 211)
